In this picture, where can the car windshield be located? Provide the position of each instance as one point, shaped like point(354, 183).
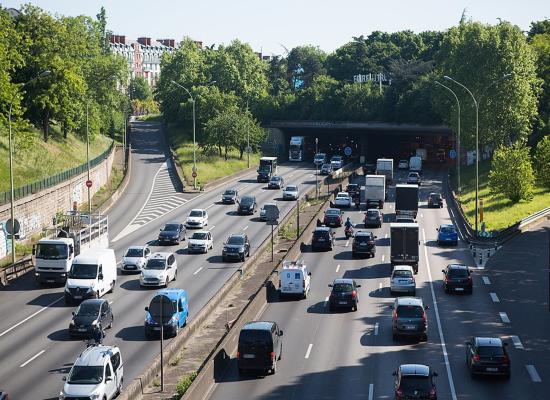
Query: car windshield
point(413, 175)
point(195, 213)
point(200, 236)
point(88, 309)
point(258, 338)
point(372, 213)
point(83, 271)
point(326, 166)
point(403, 162)
point(410, 311)
point(171, 227)
point(229, 193)
point(332, 212)
point(157, 263)
point(48, 251)
point(342, 287)
point(275, 179)
point(134, 253)
point(362, 238)
point(400, 273)
point(235, 240)
point(447, 229)
point(335, 158)
point(434, 196)
point(85, 375)
point(457, 273)
point(490, 351)
point(291, 188)
point(247, 200)
point(410, 383)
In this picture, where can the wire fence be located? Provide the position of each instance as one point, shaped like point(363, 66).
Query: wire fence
point(53, 180)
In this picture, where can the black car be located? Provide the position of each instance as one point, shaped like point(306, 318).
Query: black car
point(343, 294)
point(276, 182)
point(352, 189)
point(487, 356)
point(369, 169)
point(172, 232)
point(373, 217)
point(409, 318)
point(323, 238)
point(260, 347)
point(435, 200)
point(415, 381)
point(230, 196)
point(363, 243)
point(237, 247)
point(247, 205)
point(458, 278)
point(333, 217)
point(88, 314)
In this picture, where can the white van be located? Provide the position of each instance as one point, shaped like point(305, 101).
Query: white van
point(92, 274)
point(294, 279)
point(415, 164)
point(96, 374)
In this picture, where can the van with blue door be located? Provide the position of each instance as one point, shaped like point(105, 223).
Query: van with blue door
point(168, 305)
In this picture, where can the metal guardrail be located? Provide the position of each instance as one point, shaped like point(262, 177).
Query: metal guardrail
point(53, 180)
point(14, 270)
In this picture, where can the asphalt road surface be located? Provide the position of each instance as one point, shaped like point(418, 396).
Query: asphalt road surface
point(35, 349)
point(351, 355)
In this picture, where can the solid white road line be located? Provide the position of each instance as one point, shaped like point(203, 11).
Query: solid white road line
point(517, 342)
point(326, 301)
point(383, 257)
point(347, 243)
point(212, 227)
point(30, 316)
point(486, 280)
point(338, 268)
point(504, 317)
point(386, 236)
point(376, 326)
point(245, 228)
point(35, 357)
point(438, 319)
point(197, 271)
point(371, 391)
point(211, 205)
point(308, 350)
point(535, 377)
point(494, 297)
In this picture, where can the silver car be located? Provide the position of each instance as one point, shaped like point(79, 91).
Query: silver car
point(402, 280)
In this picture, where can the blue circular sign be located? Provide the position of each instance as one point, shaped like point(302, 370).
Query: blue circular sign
point(452, 154)
point(347, 151)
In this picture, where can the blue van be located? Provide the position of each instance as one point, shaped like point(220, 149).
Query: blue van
point(175, 306)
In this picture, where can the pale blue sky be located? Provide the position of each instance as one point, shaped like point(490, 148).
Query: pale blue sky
point(268, 24)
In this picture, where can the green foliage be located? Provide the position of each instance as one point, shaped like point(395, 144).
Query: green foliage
point(512, 172)
point(540, 43)
point(542, 161)
point(304, 63)
point(140, 89)
point(184, 383)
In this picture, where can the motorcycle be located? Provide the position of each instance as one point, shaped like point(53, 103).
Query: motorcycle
point(348, 231)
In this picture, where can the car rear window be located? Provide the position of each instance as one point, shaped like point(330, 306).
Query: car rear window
point(334, 213)
point(134, 253)
point(447, 229)
point(410, 311)
point(195, 213)
point(490, 351)
point(253, 337)
point(247, 200)
point(410, 383)
point(457, 273)
point(362, 238)
point(372, 213)
point(320, 233)
point(229, 192)
point(402, 274)
point(342, 287)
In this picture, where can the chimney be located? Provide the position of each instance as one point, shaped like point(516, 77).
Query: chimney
point(167, 42)
point(122, 39)
point(144, 41)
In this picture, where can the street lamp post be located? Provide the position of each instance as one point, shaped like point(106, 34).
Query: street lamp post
point(458, 133)
point(476, 104)
point(316, 171)
point(88, 161)
point(10, 145)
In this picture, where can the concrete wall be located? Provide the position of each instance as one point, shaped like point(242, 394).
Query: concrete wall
point(36, 211)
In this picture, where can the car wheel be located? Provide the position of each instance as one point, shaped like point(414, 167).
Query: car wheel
point(394, 336)
point(241, 371)
point(112, 289)
point(354, 308)
point(424, 337)
point(243, 257)
point(392, 292)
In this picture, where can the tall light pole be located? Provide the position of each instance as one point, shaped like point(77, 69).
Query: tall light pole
point(316, 171)
point(10, 145)
point(247, 136)
point(88, 162)
point(458, 133)
point(476, 104)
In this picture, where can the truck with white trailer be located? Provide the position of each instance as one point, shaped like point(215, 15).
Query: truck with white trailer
point(384, 166)
point(374, 193)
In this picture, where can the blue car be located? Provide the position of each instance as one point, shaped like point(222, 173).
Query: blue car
point(175, 309)
point(447, 234)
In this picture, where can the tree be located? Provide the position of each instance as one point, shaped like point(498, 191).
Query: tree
point(304, 64)
point(540, 43)
point(140, 89)
point(511, 172)
point(542, 161)
point(539, 27)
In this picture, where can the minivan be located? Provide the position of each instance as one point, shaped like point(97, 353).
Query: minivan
point(409, 318)
point(260, 347)
point(175, 309)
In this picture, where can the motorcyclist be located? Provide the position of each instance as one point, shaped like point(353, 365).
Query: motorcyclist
point(97, 335)
point(348, 224)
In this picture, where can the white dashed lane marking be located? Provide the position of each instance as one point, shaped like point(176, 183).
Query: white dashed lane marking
point(494, 297)
point(338, 268)
point(197, 271)
point(32, 358)
point(371, 391)
point(486, 280)
point(504, 317)
point(535, 377)
point(517, 342)
point(308, 350)
point(376, 326)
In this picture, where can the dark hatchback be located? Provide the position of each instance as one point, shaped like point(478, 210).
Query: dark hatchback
point(363, 243)
point(237, 247)
point(172, 232)
point(458, 278)
point(247, 205)
point(323, 238)
point(373, 217)
point(260, 347)
point(435, 200)
point(487, 356)
point(415, 381)
point(409, 318)
point(230, 196)
point(343, 294)
point(89, 314)
point(333, 217)
point(352, 189)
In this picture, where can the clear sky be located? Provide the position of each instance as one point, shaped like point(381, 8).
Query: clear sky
point(267, 25)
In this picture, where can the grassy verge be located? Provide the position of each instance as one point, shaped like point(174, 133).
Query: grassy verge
point(41, 159)
point(185, 382)
point(498, 211)
point(209, 167)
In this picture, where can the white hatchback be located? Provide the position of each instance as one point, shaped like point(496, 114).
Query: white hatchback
point(135, 258)
point(200, 242)
point(402, 280)
point(161, 268)
point(197, 218)
point(343, 199)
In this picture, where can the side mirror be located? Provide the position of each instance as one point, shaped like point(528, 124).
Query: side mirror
point(309, 273)
point(73, 313)
point(33, 249)
point(426, 307)
point(435, 374)
point(108, 379)
point(437, 229)
point(358, 285)
point(330, 285)
point(280, 333)
point(64, 378)
point(391, 306)
point(147, 309)
point(467, 343)
point(100, 277)
point(443, 270)
point(376, 237)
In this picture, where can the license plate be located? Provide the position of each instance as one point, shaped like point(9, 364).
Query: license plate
point(156, 328)
point(320, 240)
point(77, 297)
point(249, 356)
point(50, 280)
point(459, 289)
point(491, 369)
point(342, 302)
point(409, 327)
point(82, 329)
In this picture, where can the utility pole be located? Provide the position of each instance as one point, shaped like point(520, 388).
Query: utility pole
point(316, 171)
point(88, 162)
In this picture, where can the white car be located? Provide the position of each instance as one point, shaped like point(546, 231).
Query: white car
point(343, 199)
point(291, 192)
point(197, 218)
point(336, 162)
point(402, 280)
point(294, 279)
point(135, 258)
point(403, 164)
point(96, 374)
point(200, 242)
point(161, 268)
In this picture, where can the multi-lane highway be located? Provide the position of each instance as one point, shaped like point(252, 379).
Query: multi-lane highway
point(35, 348)
point(351, 355)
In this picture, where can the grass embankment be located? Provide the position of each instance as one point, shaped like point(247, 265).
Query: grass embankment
point(498, 211)
point(41, 159)
point(209, 167)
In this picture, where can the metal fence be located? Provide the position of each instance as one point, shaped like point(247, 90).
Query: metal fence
point(53, 180)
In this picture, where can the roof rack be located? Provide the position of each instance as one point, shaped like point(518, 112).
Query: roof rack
point(296, 263)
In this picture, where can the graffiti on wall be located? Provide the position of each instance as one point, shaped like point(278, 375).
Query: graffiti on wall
point(77, 193)
point(29, 225)
point(4, 242)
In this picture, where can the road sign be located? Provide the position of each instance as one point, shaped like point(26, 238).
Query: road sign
point(347, 151)
point(194, 174)
point(452, 154)
point(271, 212)
point(165, 314)
point(89, 183)
point(11, 228)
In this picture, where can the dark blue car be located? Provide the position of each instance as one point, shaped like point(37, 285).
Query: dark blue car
point(447, 234)
point(175, 309)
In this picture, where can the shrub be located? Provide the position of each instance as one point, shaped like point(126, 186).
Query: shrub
point(512, 172)
point(542, 161)
point(185, 382)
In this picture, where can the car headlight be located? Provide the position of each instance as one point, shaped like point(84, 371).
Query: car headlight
point(67, 289)
point(241, 250)
point(71, 323)
point(161, 276)
point(62, 395)
point(94, 323)
point(148, 318)
point(95, 396)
